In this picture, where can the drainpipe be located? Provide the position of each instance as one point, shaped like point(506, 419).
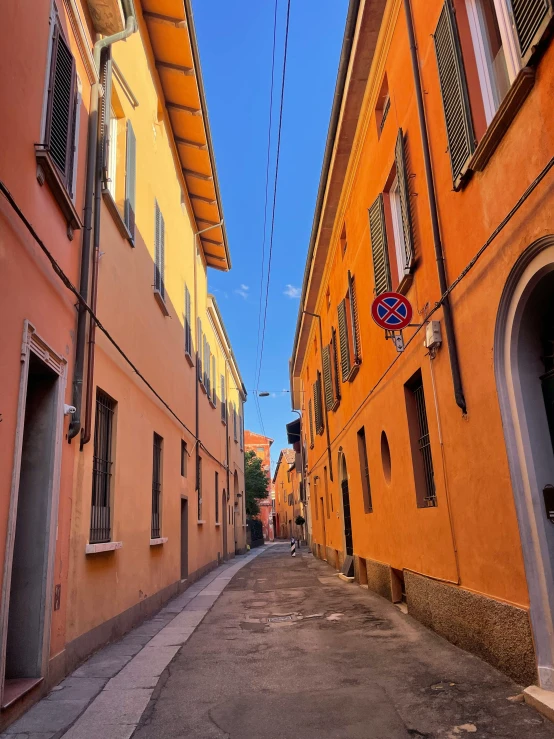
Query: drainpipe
point(93, 179)
point(439, 255)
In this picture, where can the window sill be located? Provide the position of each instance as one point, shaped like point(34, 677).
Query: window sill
point(108, 546)
point(218, 524)
point(159, 540)
point(224, 422)
point(48, 172)
point(116, 215)
point(161, 302)
point(518, 92)
point(189, 358)
point(405, 284)
point(353, 372)
point(203, 387)
point(200, 523)
point(212, 403)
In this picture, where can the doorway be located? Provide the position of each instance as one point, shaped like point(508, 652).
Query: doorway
point(184, 538)
point(31, 536)
point(524, 368)
point(323, 531)
point(343, 476)
point(224, 523)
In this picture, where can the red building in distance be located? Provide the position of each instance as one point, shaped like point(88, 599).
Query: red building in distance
point(261, 446)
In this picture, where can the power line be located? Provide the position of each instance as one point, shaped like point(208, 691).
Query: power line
point(270, 126)
point(283, 77)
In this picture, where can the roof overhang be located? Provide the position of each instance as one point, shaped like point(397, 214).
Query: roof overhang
point(171, 30)
point(363, 25)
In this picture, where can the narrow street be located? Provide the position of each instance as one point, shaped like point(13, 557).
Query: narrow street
point(290, 650)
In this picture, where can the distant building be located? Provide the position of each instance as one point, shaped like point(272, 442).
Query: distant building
point(261, 446)
point(289, 501)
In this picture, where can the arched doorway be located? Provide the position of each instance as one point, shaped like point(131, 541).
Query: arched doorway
point(345, 495)
point(524, 368)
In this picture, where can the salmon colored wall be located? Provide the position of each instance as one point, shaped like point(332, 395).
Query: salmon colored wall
point(471, 463)
point(29, 288)
point(285, 484)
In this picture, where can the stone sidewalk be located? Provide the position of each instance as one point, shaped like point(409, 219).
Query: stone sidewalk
point(106, 696)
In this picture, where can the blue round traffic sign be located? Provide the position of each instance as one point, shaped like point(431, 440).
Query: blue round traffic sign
point(391, 311)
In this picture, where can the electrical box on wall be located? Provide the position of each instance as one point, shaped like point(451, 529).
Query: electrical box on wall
point(433, 336)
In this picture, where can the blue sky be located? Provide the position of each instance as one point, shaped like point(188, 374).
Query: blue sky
point(235, 40)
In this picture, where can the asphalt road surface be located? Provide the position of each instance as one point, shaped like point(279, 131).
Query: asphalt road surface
point(288, 650)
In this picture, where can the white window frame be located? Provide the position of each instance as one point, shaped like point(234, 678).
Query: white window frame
point(398, 229)
point(509, 45)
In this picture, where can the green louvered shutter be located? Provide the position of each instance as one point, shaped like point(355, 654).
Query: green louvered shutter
point(335, 365)
point(317, 405)
point(378, 234)
point(455, 99)
point(530, 20)
point(199, 347)
point(343, 338)
point(327, 378)
point(311, 415)
point(354, 320)
point(159, 255)
point(188, 325)
point(403, 191)
point(130, 180)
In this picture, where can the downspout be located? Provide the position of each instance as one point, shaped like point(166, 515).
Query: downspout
point(93, 179)
point(439, 255)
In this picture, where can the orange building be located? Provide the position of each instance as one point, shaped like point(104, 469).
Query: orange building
point(261, 446)
point(289, 501)
point(427, 465)
point(122, 444)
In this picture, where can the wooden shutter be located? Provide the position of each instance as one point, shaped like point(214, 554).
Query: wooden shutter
point(60, 112)
point(355, 326)
point(199, 348)
point(403, 191)
point(530, 20)
point(379, 249)
point(159, 267)
point(318, 410)
point(214, 381)
point(343, 338)
point(130, 180)
point(327, 378)
point(223, 400)
point(455, 99)
point(311, 416)
point(335, 365)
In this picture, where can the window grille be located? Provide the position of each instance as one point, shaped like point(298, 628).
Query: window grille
point(102, 464)
point(424, 444)
point(156, 486)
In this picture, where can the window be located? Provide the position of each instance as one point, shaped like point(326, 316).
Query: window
point(502, 37)
point(310, 413)
point(199, 485)
point(318, 408)
point(56, 155)
point(364, 469)
point(188, 323)
point(235, 437)
point(184, 455)
point(120, 167)
point(102, 465)
point(331, 382)
point(420, 442)
point(156, 486)
point(390, 227)
point(216, 491)
point(383, 106)
point(349, 333)
point(199, 348)
point(159, 253)
point(61, 110)
point(223, 401)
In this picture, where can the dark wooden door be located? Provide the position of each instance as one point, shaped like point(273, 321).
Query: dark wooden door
point(184, 539)
point(347, 518)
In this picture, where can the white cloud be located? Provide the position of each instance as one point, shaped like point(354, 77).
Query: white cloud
point(292, 292)
point(245, 288)
point(242, 293)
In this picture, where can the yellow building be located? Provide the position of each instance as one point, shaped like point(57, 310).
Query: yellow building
point(289, 497)
point(159, 476)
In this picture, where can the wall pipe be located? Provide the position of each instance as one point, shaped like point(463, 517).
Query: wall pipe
point(94, 127)
point(437, 242)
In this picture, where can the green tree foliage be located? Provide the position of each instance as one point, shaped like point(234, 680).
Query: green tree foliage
point(256, 482)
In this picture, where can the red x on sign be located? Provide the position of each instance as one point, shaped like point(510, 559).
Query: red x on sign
point(391, 311)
